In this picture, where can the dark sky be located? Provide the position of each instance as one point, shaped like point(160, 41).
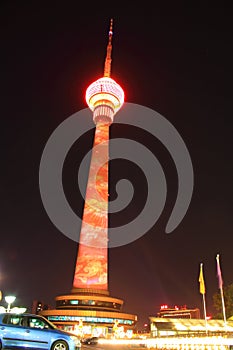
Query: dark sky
point(176, 60)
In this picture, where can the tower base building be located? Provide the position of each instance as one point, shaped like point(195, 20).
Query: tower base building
point(90, 312)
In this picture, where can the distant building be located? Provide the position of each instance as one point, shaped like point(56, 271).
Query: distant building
point(178, 312)
point(38, 306)
point(164, 327)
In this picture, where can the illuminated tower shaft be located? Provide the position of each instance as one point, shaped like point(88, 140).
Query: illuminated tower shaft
point(104, 97)
point(92, 265)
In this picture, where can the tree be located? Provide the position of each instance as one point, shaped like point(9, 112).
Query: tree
point(228, 300)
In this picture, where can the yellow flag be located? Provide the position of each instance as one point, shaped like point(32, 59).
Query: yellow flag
point(201, 281)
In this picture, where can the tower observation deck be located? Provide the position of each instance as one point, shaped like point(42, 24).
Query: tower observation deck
point(89, 308)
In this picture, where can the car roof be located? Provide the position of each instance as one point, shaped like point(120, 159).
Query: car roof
point(23, 314)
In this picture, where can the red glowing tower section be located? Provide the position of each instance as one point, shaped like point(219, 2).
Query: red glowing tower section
point(104, 97)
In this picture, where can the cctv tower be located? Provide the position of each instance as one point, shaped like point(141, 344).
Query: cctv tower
point(104, 97)
point(90, 306)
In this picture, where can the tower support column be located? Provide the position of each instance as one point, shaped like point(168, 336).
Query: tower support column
point(91, 269)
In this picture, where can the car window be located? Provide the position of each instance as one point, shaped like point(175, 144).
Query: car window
point(24, 322)
point(27, 321)
point(5, 319)
point(14, 320)
point(35, 322)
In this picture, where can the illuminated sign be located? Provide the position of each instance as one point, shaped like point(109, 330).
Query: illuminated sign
point(89, 319)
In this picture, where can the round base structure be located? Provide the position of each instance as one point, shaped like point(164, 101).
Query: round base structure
point(89, 312)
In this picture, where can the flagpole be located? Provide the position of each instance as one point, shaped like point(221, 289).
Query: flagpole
point(220, 282)
point(223, 307)
point(204, 306)
point(202, 291)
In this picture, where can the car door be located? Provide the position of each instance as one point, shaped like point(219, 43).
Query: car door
point(36, 335)
point(12, 332)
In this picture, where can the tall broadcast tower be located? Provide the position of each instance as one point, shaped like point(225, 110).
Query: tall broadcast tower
point(104, 97)
point(89, 309)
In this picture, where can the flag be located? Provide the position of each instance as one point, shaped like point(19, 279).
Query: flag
point(201, 280)
point(219, 273)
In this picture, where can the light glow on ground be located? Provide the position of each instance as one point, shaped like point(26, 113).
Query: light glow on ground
point(184, 343)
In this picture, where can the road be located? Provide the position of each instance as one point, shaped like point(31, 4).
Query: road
point(112, 347)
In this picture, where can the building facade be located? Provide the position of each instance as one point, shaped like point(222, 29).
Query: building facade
point(178, 312)
point(173, 327)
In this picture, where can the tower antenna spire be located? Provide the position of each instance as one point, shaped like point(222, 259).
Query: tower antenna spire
point(108, 59)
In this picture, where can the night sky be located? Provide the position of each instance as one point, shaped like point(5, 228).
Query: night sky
point(176, 60)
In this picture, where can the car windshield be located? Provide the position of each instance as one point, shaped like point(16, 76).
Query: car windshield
point(50, 324)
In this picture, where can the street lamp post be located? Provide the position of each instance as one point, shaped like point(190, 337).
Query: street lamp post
point(16, 310)
point(9, 299)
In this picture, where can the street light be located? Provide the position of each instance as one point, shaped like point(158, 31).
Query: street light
point(9, 299)
point(18, 310)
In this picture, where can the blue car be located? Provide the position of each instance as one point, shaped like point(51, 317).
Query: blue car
point(28, 331)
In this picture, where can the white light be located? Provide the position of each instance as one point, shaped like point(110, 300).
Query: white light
point(2, 310)
point(18, 310)
point(196, 343)
point(10, 299)
point(105, 89)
